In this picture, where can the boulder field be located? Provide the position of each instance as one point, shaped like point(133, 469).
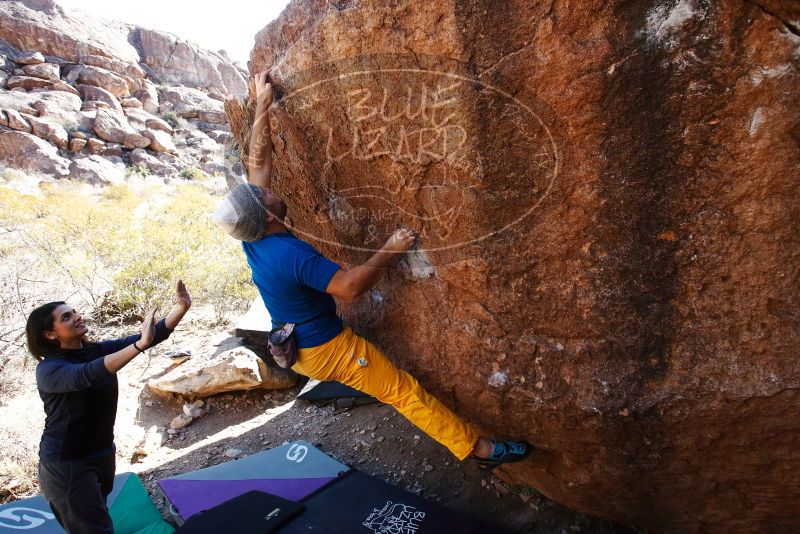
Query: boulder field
point(102, 95)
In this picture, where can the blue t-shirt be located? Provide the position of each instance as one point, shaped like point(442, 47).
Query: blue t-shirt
point(292, 276)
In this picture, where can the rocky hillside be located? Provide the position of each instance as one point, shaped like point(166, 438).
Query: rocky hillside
point(608, 197)
point(85, 98)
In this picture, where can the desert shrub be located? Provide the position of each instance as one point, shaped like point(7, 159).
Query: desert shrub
point(172, 119)
point(140, 170)
point(193, 173)
point(126, 248)
point(181, 240)
point(12, 174)
point(19, 425)
point(70, 126)
point(18, 471)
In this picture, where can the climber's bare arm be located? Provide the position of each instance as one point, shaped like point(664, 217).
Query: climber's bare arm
point(259, 160)
point(350, 283)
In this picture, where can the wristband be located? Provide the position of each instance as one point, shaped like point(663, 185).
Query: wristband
point(137, 348)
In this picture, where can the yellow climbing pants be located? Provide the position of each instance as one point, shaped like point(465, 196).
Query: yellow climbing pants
point(354, 361)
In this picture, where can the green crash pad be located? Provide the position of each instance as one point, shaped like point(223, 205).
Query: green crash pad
point(129, 505)
point(133, 512)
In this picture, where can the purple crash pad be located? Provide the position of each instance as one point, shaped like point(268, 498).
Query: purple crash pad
point(293, 471)
point(190, 497)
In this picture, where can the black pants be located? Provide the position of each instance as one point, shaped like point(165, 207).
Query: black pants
point(77, 490)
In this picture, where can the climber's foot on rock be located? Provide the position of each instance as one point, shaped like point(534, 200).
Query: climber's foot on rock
point(503, 452)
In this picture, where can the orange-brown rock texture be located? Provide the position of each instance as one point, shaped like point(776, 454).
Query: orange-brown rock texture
point(609, 200)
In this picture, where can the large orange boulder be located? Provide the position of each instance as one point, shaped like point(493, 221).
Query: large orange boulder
point(608, 195)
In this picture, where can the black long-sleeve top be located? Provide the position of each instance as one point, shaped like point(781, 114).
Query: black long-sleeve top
point(80, 399)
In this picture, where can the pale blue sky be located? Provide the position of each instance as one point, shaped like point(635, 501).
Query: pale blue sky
point(230, 25)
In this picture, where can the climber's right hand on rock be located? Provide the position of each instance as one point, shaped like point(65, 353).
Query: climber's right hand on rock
point(401, 241)
point(263, 88)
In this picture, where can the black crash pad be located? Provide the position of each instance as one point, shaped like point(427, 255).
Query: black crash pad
point(254, 512)
point(360, 503)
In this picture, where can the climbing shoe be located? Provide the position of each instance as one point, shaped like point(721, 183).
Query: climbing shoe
point(505, 452)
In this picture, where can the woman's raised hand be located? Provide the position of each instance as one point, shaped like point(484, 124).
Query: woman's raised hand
point(182, 296)
point(148, 329)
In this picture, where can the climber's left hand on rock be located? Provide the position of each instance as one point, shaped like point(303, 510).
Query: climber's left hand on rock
point(263, 88)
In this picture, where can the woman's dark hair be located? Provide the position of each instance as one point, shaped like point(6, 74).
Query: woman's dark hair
point(39, 321)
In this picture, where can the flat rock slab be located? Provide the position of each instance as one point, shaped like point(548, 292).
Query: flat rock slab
point(97, 170)
point(234, 369)
point(25, 151)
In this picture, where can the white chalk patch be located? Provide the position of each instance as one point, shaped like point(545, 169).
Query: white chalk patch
point(758, 119)
point(778, 71)
point(791, 36)
point(419, 264)
point(663, 22)
point(498, 379)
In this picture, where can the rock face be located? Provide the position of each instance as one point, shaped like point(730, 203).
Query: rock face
point(140, 157)
point(48, 28)
point(148, 96)
point(91, 93)
point(17, 121)
point(234, 369)
point(64, 72)
point(25, 151)
point(34, 58)
point(60, 106)
point(78, 37)
point(49, 131)
point(187, 102)
point(97, 170)
point(142, 120)
point(609, 204)
point(112, 126)
point(27, 83)
point(104, 79)
point(176, 61)
point(160, 141)
point(48, 71)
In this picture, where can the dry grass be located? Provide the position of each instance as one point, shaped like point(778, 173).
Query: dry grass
point(18, 475)
point(20, 427)
point(124, 248)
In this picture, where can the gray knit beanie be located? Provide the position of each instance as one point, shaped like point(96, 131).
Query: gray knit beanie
point(242, 213)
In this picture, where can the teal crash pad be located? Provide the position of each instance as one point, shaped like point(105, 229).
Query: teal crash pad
point(129, 505)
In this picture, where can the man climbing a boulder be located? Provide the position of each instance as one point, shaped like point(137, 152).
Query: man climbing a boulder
point(298, 284)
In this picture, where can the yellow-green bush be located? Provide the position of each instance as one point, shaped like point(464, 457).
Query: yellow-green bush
point(127, 248)
point(193, 173)
point(140, 170)
point(172, 119)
